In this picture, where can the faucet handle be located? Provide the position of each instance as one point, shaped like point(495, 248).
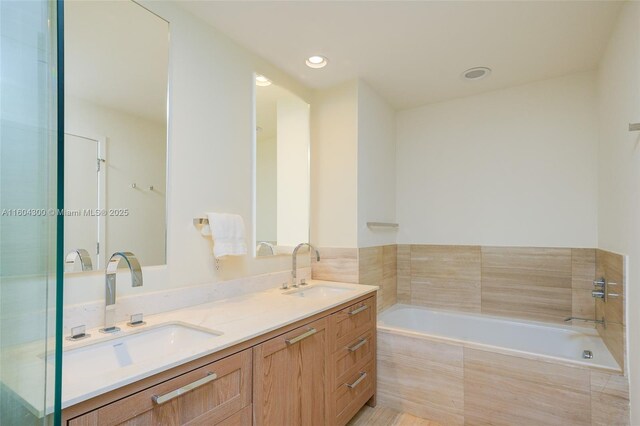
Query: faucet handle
point(136, 320)
point(303, 282)
point(78, 333)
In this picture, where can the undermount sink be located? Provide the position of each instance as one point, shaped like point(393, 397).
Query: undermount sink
point(318, 291)
point(143, 347)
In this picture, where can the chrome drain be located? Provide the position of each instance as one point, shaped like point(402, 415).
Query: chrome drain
point(587, 354)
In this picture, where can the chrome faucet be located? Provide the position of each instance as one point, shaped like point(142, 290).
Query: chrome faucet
point(265, 244)
point(602, 322)
point(110, 286)
point(83, 255)
point(294, 269)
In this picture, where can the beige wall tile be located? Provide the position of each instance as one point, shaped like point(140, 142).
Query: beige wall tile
point(611, 266)
point(404, 273)
point(370, 270)
point(508, 390)
point(390, 261)
point(336, 264)
point(421, 377)
point(389, 277)
point(582, 304)
point(583, 268)
point(446, 277)
point(583, 272)
point(609, 399)
point(610, 384)
point(533, 283)
point(378, 266)
point(370, 264)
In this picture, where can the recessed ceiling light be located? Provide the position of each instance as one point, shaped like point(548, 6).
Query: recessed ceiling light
point(316, 61)
point(476, 73)
point(263, 81)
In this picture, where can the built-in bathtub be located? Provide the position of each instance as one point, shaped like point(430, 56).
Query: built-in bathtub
point(459, 368)
point(533, 339)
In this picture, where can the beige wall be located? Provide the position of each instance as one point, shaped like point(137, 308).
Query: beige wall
point(619, 171)
point(513, 167)
point(334, 156)
point(376, 167)
point(353, 167)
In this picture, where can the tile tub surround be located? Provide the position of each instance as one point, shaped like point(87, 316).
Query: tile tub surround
point(454, 385)
point(367, 265)
point(611, 266)
point(536, 283)
point(542, 284)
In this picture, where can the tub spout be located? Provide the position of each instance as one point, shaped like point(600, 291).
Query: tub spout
point(600, 321)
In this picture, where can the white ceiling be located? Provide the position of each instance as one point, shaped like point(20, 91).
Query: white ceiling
point(116, 55)
point(413, 52)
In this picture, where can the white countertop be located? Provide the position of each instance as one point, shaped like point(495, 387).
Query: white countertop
point(238, 318)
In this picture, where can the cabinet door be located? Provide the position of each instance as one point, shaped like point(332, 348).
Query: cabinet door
point(290, 378)
point(205, 396)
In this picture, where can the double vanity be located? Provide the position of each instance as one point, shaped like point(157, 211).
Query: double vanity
point(302, 356)
point(261, 355)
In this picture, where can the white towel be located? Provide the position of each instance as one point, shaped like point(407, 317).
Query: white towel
point(227, 232)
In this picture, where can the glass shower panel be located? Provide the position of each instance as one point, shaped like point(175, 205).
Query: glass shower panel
point(28, 188)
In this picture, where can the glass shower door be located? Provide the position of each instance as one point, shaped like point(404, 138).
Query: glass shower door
point(28, 219)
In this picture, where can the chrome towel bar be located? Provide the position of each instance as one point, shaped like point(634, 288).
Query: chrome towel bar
point(382, 225)
point(200, 221)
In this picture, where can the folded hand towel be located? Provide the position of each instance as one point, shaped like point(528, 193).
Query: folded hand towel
point(227, 232)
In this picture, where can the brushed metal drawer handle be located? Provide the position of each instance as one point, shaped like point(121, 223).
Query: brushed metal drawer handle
point(358, 345)
point(357, 382)
point(161, 399)
point(303, 336)
point(358, 310)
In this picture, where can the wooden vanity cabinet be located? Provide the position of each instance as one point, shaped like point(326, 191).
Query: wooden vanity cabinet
point(316, 372)
point(290, 377)
point(352, 362)
point(221, 390)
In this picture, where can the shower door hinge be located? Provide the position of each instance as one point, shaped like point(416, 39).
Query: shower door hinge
point(98, 248)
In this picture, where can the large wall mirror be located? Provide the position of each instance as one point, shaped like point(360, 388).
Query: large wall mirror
point(282, 194)
point(116, 79)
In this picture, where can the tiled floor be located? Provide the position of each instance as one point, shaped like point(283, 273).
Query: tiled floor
point(382, 416)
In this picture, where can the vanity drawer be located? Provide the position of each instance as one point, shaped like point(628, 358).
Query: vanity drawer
point(353, 356)
point(209, 395)
point(353, 321)
point(351, 394)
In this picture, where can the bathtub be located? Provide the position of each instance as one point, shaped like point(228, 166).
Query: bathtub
point(558, 342)
point(458, 368)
